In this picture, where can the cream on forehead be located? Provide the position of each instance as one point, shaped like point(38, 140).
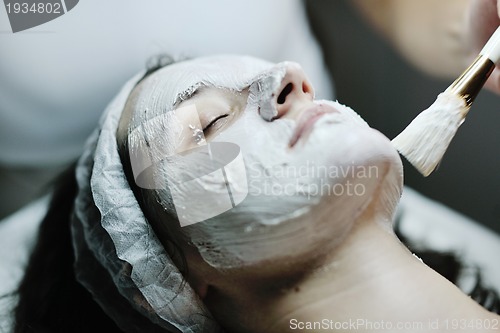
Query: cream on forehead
point(172, 84)
point(158, 128)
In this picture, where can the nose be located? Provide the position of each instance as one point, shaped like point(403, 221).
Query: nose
point(295, 91)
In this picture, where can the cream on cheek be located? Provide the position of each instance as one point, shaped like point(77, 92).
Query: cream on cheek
point(165, 139)
point(298, 200)
point(157, 141)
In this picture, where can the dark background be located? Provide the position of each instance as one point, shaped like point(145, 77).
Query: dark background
point(376, 82)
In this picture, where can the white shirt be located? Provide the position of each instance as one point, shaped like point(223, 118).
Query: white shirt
point(56, 78)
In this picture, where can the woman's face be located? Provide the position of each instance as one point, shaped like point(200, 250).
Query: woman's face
point(254, 168)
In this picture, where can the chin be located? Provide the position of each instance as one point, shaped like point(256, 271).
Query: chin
point(369, 172)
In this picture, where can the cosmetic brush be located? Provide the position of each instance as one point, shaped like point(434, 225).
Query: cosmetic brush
point(425, 140)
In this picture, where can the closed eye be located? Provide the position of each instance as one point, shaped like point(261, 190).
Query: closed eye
point(215, 120)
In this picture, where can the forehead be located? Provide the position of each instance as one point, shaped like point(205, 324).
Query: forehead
point(177, 82)
point(164, 89)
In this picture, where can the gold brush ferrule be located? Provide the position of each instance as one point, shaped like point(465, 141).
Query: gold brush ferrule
point(469, 84)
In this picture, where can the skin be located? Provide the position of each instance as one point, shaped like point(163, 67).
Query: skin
point(440, 38)
point(368, 275)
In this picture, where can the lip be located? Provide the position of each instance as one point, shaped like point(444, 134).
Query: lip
point(307, 119)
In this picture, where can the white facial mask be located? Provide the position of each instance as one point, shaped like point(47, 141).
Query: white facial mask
point(298, 196)
point(177, 82)
point(261, 200)
point(158, 129)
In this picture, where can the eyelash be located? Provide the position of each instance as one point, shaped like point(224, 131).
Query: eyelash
point(214, 121)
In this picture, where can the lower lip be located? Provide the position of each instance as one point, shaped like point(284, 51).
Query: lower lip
point(303, 127)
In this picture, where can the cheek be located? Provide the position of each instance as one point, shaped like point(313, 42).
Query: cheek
point(157, 140)
point(360, 164)
point(206, 181)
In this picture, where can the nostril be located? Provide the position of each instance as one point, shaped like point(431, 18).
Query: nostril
point(306, 88)
point(284, 93)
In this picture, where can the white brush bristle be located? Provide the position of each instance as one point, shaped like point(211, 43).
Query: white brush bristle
point(425, 140)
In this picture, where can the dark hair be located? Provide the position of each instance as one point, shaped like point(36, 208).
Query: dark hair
point(50, 298)
point(451, 267)
point(155, 63)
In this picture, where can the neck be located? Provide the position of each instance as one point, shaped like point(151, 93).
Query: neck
point(373, 283)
